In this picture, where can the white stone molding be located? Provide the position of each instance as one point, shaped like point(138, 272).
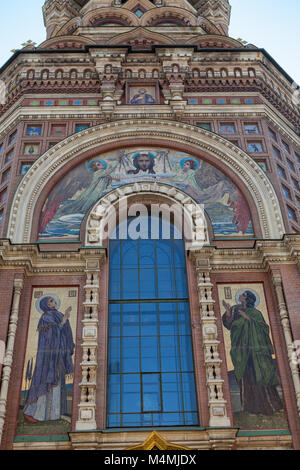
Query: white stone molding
point(196, 139)
point(8, 358)
point(217, 404)
point(87, 406)
point(194, 226)
point(259, 258)
point(285, 322)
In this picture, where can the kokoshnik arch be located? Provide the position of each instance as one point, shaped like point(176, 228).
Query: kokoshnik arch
point(148, 343)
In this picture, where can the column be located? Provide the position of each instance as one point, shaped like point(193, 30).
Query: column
point(8, 358)
point(217, 403)
point(284, 316)
point(87, 406)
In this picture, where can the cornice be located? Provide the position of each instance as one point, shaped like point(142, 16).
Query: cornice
point(19, 114)
point(33, 261)
point(90, 88)
point(259, 258)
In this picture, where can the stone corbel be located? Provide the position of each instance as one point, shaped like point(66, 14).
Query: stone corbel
point(176, 101)
point(109, 99)
point(109, 69)
point(175, 65)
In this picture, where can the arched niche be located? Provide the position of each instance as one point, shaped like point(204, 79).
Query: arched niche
point(49, 169)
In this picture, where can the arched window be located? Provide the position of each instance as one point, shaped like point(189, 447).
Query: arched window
point(237, 73)
point(30, 74)
point(59, 74)
point(45, 74)
point(142, 73)
point(150, 360)
point(73, 74)
point(87, 74)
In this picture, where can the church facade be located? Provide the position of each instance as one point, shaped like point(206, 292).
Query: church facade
point(149, 224)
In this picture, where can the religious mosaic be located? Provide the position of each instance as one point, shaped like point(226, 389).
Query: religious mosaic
point(145, 95)
point(79, 190)
point(47, 386)
point(256, 393)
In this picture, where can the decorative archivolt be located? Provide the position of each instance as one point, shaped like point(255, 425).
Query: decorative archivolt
point(126, 17)
point(66, 42)
point(208, 26)
point(68, 28)
point(105, 214)
point(195, 140)
point(167, 15)
point(109, 15)
point(214, 41)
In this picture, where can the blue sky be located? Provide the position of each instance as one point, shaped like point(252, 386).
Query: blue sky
point(272, 24)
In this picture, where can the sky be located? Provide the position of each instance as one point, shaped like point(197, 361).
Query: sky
point(271, 24)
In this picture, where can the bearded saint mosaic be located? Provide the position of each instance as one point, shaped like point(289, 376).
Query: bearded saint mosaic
point(79, 190)
point(255, 388)
point(47, 387)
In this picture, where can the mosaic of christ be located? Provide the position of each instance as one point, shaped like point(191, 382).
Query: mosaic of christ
point(83, 186)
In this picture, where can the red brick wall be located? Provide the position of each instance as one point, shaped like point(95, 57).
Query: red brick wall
point(20, 349)
point(291, 283)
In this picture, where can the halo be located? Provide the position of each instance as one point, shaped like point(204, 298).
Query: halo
point(96, 160)
point(182, 162)
point(241, 291)
point(38, 302)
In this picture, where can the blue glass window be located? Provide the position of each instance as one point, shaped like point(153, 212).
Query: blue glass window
point(150, 358)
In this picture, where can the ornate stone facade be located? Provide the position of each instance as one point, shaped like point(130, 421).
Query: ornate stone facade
point(112, 80)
